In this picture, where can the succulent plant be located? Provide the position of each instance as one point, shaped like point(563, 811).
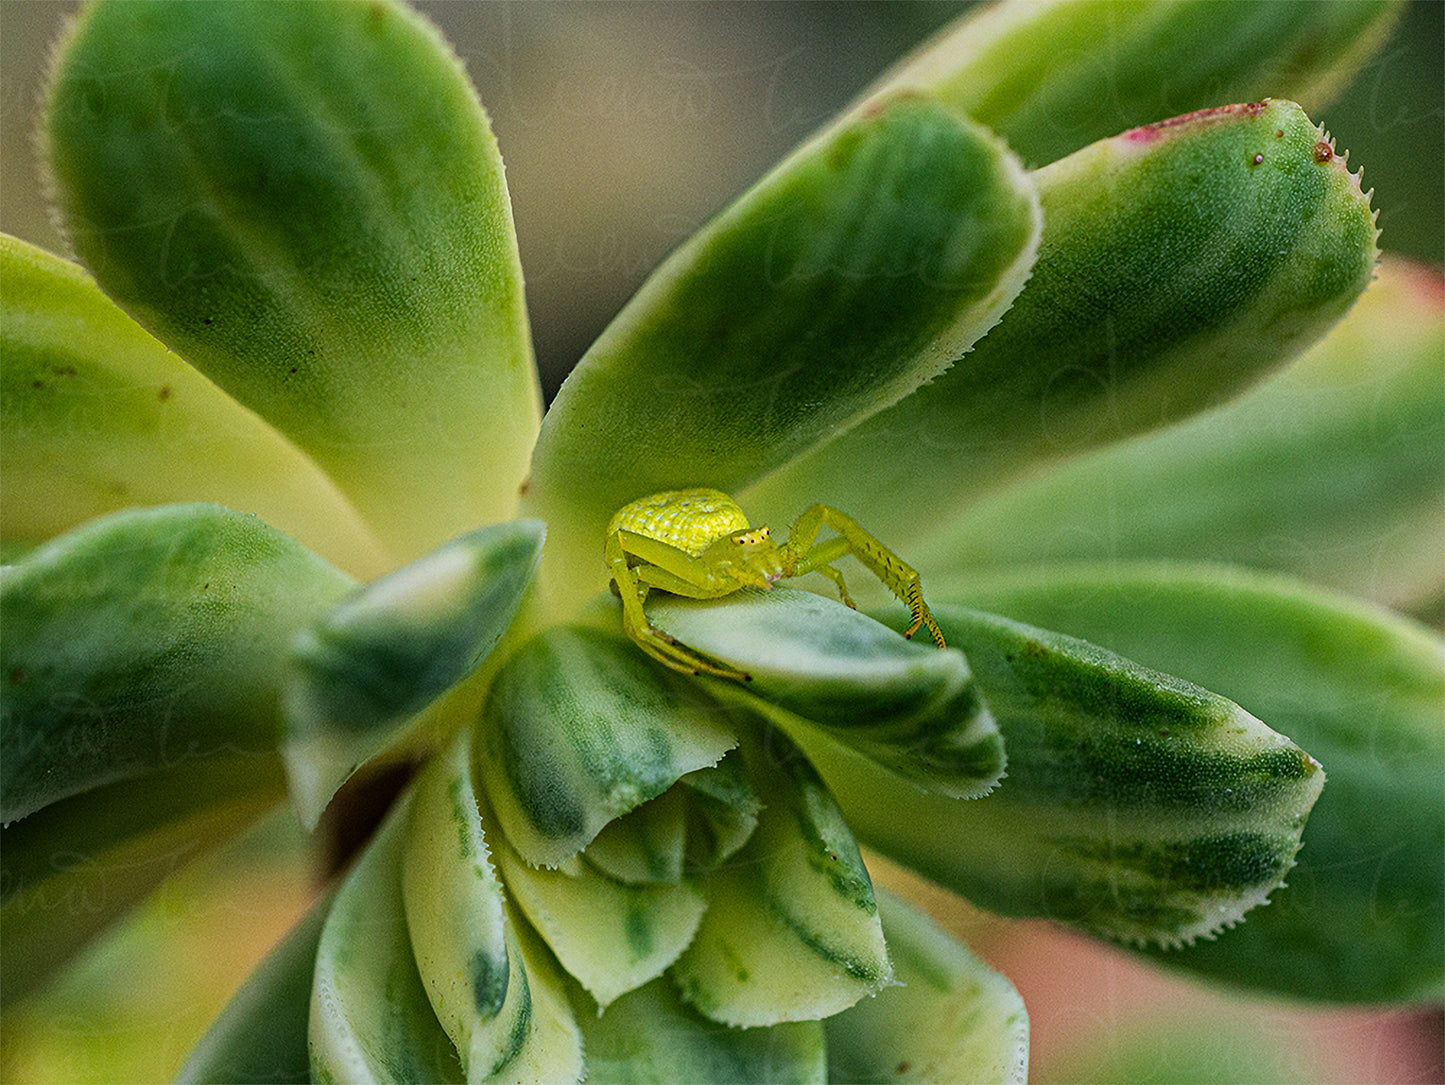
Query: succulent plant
point(282, 509)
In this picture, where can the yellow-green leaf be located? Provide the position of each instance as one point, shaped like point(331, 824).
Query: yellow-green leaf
point(99, 416)
point(306, 202)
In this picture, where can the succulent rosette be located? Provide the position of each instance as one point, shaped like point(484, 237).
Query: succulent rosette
point(281, 506)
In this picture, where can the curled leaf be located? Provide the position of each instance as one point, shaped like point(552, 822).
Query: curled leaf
point(467, 953)
point(578, 729)
point(791, 931)
point(610, 935)
point(911, 707)
point(1363, 916)
point(370, 1018)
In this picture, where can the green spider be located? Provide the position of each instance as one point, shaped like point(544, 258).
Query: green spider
point(698, 543)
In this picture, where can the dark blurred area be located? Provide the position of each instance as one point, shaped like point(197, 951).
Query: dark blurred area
point(625, 125)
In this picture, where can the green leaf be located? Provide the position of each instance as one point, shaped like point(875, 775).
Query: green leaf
point(1051, 77)
point(146, 640)
point(578, 729)
point(791, 931)
point(370, 1018)
point(723, 810)
point(1343, 453)
point(612, 936)
point(650, 1035)
point(467, 952)
point(305, 201)
point(646, 846)
point(856, 271)
point(261, 1034)
point(1179, 263)
point(696, 824)
point(98, 416)
point(1363, 917)
point(72, 868)
point(359, 675)
point(949, 1017)
point(1136, 806)
point(910, 707)
point(555, 1040)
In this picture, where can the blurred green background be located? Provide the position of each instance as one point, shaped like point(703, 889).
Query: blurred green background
point(625, 125)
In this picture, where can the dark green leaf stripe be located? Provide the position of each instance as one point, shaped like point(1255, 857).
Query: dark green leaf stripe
point(1363, 916)
point(315, 217)
point(912, 707)
point(611, 936)
point(647, 844)
point(1136, 805)
point(854, 272)
point(722, 810)
point(580, 727)
point(370, 1018)
point(146, 640)
point(1179, 263)
point(405, 639)
point(456, 921)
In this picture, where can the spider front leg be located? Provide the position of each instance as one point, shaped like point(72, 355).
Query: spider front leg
point(633, 583)
point(801, 555)
point(819, 562)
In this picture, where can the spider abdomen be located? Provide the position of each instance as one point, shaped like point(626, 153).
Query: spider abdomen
point(688, 519)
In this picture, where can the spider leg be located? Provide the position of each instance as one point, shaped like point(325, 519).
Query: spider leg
point(633, 583)
point(800, 553)
point(819, 559)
